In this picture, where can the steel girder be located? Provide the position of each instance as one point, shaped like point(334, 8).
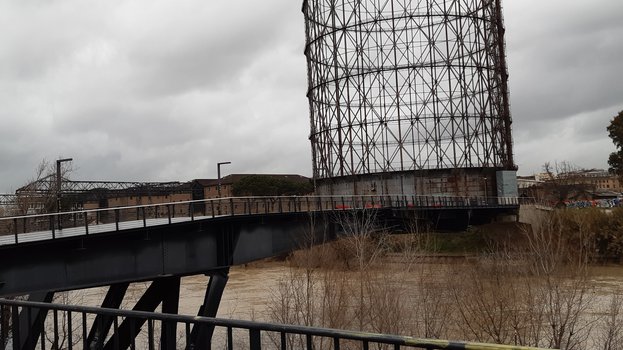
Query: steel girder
point(146, 253)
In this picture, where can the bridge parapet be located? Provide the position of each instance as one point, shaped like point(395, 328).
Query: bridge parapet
point(28, 228)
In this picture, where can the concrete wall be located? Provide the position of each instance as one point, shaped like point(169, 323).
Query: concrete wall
point(476, 182)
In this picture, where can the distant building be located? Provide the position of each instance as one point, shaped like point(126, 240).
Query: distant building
point(572, 185)
point(597, 179)
point(197, 189)
point(210, 186)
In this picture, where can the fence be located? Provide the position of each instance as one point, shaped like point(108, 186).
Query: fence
point(80, 327)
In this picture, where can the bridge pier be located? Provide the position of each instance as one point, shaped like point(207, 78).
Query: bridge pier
point(165, 291)
point(102, 323)
point(201, 335)
point(31, 321)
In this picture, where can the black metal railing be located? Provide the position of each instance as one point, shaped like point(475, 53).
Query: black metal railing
point(54, 326)
point(85, 222)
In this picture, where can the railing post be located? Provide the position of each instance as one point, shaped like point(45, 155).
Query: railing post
point(58, 219)
point(144, 218)
point(255, 339)
point(191, 208)
point(117, 219)
point(53, 228)
point(231, 206)
point(86, 223)
point(169, 212)
point(15, 229)
point(280, 205)
point(15, 327)
point(212, 205)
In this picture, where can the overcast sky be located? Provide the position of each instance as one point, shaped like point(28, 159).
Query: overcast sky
point(163, 90)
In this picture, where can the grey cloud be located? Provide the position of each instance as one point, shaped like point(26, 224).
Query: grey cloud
point(161, 91)
point(562, 62)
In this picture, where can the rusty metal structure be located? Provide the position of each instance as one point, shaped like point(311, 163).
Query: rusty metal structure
point(40, 195)
point(408, 97)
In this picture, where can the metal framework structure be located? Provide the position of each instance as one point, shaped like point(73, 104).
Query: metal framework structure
point(40, 195)
point(7, 199)
point(48, 184)
point(397, 86)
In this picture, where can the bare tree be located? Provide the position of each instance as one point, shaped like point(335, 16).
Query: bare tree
point(564, 182)
point(610, 336)
point(40, 193)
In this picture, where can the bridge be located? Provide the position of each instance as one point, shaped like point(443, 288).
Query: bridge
point(90, 248)
point(44, 254)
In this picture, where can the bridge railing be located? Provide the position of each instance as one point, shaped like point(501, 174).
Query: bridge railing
point(85, 222)
point(76, 327)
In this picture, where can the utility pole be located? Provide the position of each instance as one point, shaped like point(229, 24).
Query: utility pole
point(59, 181)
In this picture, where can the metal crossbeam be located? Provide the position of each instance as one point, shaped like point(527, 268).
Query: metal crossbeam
point(7, 199)
point(102, 323)
point(157, 292)
point(48, 184)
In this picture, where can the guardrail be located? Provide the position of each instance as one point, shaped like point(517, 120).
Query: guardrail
point(85, 222)
point(121, 329)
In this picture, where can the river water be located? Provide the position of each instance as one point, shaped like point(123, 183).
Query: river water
point(250, 289)
point(246, 296)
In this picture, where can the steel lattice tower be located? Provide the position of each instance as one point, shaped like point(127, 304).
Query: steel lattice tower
point(406, 86)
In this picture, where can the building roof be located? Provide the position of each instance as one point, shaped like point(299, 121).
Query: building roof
point(233, 178)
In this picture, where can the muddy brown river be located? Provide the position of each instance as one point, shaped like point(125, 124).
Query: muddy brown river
point(250, 290)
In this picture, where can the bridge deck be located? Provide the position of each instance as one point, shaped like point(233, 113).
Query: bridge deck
point(91, 248)
point(94, 229)
point(34, 228)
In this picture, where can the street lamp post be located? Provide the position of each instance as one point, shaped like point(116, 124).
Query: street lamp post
point(59, 181)
point(218, 172)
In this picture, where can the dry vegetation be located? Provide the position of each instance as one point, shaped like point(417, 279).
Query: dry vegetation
point(532, 289)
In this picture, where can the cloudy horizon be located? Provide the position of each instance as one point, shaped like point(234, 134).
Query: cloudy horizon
point(162, 91)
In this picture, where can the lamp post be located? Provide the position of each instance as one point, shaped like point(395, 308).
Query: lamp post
point(59, 180)
point(218, 172)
